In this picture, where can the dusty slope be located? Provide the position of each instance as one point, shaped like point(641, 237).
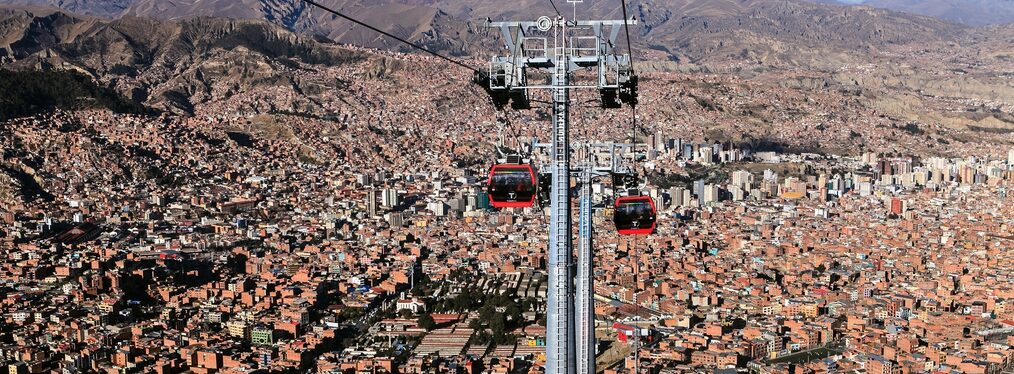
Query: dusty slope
point(204, 65)
point(968, 12)
point(167, 65)
point(775, 32)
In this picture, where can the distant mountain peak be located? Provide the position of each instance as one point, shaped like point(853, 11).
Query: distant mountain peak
point(968, 12)
point(757, 31)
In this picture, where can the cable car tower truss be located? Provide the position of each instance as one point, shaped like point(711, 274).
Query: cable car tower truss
point(561, 48)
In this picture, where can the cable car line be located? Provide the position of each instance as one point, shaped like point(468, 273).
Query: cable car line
point(392, 36)
point(515, 184)
point(626, 29)
point(479, 77)
point(633, 213)
point(510, 127)
point(510, 185)
point(630, 51)
point(556, 9)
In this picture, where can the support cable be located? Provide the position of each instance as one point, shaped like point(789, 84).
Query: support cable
point(426, 50)
point(626, 29)
point(553, 3)
point(633, 134)
point(630, 50)
point(392, 36)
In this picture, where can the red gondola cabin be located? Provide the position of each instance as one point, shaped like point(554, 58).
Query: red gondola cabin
point(634, 215)
point(511, 186)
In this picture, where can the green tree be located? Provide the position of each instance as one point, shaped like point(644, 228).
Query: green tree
point(426, 322)
point(405, 313)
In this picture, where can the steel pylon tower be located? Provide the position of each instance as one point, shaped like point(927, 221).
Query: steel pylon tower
point(585, 280)
point(585, 277)
point(576, 45)
point(560, 310)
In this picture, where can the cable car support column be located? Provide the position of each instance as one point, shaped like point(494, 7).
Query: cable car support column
point(508, 81)
point(559, 319)
point(585, 288)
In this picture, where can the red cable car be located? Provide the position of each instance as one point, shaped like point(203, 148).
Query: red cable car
point(634, 215)
point(511, 186)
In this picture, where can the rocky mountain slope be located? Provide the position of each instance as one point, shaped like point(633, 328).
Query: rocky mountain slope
point(98, 8)
point(968, 12)
point(932, 74)
point(774, 32)
point(168, 65)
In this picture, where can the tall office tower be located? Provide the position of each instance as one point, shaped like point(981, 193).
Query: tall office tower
point(742, 179)
point(438, 208)
point(794, 185)
point(704, 155)
point(364, 179)
point(903, 166)
point(884, 167)
point(395, 219)
point(656, 194)
point(391, 198)
point(836, 186)
point(711, 194)
point(738, 193)
point(676, 194)
point(371, 202)
point(482, 200)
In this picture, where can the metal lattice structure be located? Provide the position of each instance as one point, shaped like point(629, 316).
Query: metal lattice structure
point(576, 45)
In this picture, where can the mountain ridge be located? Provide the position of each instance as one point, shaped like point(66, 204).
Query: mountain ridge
point(968, 12)
point(771, 85)
point(166, 65)
point(684, 29)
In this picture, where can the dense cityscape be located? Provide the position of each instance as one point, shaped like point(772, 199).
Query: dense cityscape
point(873, 261)
point(350, 230)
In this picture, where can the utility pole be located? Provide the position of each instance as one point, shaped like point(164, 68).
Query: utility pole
point(576, 45)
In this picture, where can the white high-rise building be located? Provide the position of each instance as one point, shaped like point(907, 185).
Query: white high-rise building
point(676, 194)
point(742, 179)
point(704, 155)
point(438, 208)
point(364, 179)
point(391, 198)
point(711, 194)
point(738, 193)
point(770, 175)
point(656, 194)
